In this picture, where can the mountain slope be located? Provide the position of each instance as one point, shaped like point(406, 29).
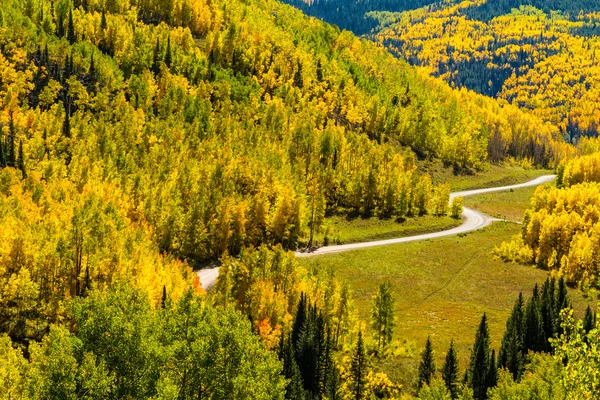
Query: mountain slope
point(542, 60)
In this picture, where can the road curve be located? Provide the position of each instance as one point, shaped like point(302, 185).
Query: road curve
point(472, 221)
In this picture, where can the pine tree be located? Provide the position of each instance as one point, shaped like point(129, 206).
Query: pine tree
point(450, 371)
point(511, 355)
point(588, 320)
point(2, 151)
point(382, 315)
point(156, 58)
point(300, 318)
point(427, 365)
point(67, 124)
point(533, 332)
point(163, 301)
point(358, 370)
point(71, 29)
point(547, 310)
point(480, 358)
point(294, 388)
point(492, 375)
point(562, 302)
point(11, 160)
point(21, 160)
point(168, 56)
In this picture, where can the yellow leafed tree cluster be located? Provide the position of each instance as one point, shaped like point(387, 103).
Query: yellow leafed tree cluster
point(561, 231)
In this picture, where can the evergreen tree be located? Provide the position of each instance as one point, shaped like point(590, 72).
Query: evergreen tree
point(480, 358)
point(300, 318)
point(588, 320)
point(450, 371)
point(163, 301)
point(71, 29)
point(2, 151)
point(382, 315)
point(562, 302)
point(168, 56)
point(427, 365)
point(492, 375)
point(533, 332)
point(298, 78)
point(21, 160)
point(156, 59)
point(12, 160)
point(294, 388)
point(358, 370)
point(511, 355)
point(67, 124)
point(547, 310)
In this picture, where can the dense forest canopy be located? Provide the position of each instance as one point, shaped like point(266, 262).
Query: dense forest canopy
point(541, 59)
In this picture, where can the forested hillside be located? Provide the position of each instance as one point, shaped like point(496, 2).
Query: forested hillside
point(352, 14)
point(537, 55)
point(141, 139)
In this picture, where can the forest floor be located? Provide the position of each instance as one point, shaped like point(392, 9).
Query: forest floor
point(443, 286)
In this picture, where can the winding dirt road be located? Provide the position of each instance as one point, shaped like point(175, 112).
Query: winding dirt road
point(472, 221)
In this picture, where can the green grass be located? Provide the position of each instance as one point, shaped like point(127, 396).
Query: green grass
point(510, 205)
point(496, 175)
point(442, 288)
point(343, 229)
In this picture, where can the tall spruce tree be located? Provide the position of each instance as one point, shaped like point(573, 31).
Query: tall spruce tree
point(533, 333)
point(294, 388)
point(71, 29)
point(480, 359)
point(168, 55)
point(427, 364)
point(2, 151)
point(11, 159)
point(562, 302)
point(589, 320)
point(450, 371)
point(492, 375)
point(21, 160)
point(156, 59)
point(300, 318)
point(358, 370)
point(547, 310)
point(511, 355)
point(382, 315)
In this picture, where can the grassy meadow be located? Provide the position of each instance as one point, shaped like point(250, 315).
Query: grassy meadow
point(443, 286)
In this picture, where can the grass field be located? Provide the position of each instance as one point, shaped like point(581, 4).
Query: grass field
point(341, 229)
point(442, 287)
point(496, 175)
point(510, 205)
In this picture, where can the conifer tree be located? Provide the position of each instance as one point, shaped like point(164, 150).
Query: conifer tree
point(480, 358)
point(163, 301)
point(547, 310)
point(299, 319)
point(511, 354)
point(11, 159)
point(358, 370)
point(450, 371)
point(67, 124)
point(156, 58)
point(492, 375)
point(588, 320)
point(168, 56)
point(294, 388)
point(427, 365)
point(2, 151)
point(21, 160)
point(71, 29)
point(533, 332)
point(382, 315)
point(562, 302)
